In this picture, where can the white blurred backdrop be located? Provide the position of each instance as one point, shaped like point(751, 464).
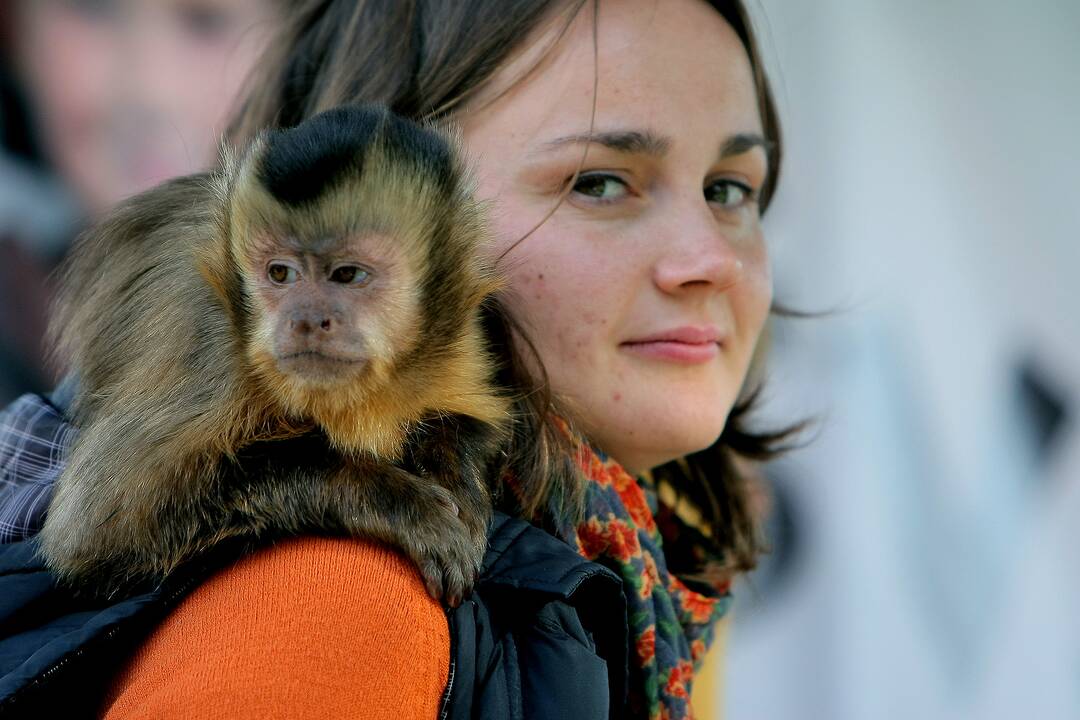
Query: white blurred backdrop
point(927, 538)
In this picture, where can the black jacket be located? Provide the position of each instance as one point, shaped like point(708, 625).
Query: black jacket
point(544, 634)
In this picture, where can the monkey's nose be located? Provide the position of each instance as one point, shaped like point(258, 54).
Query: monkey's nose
point(307, 324)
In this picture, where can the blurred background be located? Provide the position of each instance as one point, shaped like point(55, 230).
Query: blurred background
point(924, 539)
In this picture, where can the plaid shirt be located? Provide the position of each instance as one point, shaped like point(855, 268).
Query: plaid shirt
point(34, 438)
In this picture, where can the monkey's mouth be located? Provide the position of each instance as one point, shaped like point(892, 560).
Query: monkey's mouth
point(315, 365)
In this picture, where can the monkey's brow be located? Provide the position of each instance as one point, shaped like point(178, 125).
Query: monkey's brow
point(647, 142)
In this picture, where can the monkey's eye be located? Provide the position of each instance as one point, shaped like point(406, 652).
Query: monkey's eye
point(350, 275)
point(281, 274)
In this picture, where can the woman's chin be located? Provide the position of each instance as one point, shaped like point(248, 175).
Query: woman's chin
point(654, 440)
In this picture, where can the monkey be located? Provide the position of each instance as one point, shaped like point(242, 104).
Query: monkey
point(290, 342)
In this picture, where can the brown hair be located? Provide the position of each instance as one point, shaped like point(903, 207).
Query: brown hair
point(424, 58)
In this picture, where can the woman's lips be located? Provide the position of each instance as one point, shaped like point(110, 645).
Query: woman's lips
point(689, 344)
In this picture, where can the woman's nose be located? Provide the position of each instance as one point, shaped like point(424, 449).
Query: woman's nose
point(697, 251)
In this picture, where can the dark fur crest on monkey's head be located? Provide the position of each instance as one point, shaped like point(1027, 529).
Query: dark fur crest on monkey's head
point(402, 199)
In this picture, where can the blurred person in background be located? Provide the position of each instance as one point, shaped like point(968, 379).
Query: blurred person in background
point(101, 99)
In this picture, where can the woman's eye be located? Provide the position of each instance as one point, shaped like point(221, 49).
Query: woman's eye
point(729, 194)
point(604, 188)
point(281, 274)
point(350, 275)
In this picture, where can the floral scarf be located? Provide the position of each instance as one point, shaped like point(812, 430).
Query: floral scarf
point(671, 625)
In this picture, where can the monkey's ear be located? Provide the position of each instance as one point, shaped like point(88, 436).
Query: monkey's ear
point(227, 157)
point(236, 164)
point(226, 170)
point(450, 130)
point(234, 175)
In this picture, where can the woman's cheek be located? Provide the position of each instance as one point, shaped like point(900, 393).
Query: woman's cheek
point(563, 326)
point(751, 303)
point(542, 309)
point(759, 290)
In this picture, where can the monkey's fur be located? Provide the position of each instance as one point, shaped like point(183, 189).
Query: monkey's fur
point(216, 402)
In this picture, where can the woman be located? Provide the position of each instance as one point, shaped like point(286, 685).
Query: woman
point(627, 149)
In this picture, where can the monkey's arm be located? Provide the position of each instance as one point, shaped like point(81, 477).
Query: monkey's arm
point(273, 489)
point(284, 490)
point(455, 451)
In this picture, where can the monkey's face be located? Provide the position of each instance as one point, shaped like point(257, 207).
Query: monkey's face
point(327, 308)
point(360, 274)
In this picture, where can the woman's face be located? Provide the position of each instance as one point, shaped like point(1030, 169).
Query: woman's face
point(645, 292)
point(128, 93)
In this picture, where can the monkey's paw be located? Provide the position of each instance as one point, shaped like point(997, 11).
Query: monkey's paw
point(443, 547)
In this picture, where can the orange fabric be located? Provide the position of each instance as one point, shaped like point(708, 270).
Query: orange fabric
point(310, 628)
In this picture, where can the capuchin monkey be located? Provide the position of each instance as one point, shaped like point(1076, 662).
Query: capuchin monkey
point(290, 343)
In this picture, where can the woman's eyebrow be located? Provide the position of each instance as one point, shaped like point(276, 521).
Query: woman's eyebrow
point(647, 142)
point(643, 142)
point(745, 142)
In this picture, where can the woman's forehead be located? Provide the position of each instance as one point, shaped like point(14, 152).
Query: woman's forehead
point(678, 70)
